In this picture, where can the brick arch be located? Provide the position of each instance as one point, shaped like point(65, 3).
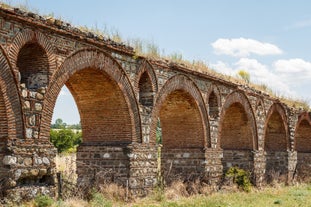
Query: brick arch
point(96, 62)
point(240, 101)
point(11, 121)
point(187, 86)
point(277, 114)
point(303, 133)
point(146, 71)
point(184, 126)
point(30, 36)
point(145, 66)
point(11, 98)
point(303, 146)
point(276, 142)
point(214, 103)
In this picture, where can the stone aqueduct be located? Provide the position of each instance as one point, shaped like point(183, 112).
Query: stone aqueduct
point(208, 124)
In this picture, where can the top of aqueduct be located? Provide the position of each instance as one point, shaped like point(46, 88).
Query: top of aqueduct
point(64, 28)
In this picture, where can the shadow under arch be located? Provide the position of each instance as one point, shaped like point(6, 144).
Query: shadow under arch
point(146, 68)
point(237, 132)
point(102, 62)
point(28, 36)
point(214, 102)
point(303, 146)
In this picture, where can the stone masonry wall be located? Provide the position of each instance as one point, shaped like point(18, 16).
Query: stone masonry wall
point(102, 164)
point(276, 164)
point(184, 164)
point(243, 159)
point(143, 168)
point(303, 169)
point(132, 166)
point(213, 166)
point(32, 167)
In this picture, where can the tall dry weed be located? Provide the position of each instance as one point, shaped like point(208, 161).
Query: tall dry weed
point(114, 192)
point(176, 190)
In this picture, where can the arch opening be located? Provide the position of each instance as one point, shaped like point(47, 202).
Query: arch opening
point(303, 148)
point(106, 127)
point(303, 137)
point(145, 90)
point(275, 147)
point(182, 136)
point(213, 108)
point(33, 66)
point(236, 138)
point(103, 110)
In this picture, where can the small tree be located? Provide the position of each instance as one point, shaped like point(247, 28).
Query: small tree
point(65, 139)
point(59, 124)
point(240, 177)
point(244, 75)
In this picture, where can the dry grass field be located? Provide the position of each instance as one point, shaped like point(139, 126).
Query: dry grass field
point(178, 195)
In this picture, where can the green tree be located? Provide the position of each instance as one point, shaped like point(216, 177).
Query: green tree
point(244, 75)
point(74, 126)
point(65, 139)
point(59, 124)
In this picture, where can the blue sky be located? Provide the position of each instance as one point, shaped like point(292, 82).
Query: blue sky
point(269, 38)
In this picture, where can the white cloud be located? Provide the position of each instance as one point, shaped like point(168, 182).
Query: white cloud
point(223, 68)
point(260, 73)
point(300, 24)
point(292, 66)
point(242, 47)
point(295, 72)
point(252, 65)
point(263, 74)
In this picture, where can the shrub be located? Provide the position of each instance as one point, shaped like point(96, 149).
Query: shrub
point(65, 139)
point(43, 201)
point(240, 177)
point(98, 200)
point(244, 75)
point(158, 194)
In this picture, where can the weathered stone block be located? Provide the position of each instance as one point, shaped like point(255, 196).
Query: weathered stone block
point(26, 105)
point(9, 160)
point(29, 133)
point(24, 93)
point(32, 120)
point(46, 161)
point(39, 96)
point(38, 106)
point(28, 162)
